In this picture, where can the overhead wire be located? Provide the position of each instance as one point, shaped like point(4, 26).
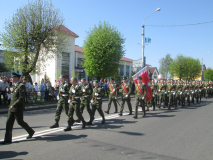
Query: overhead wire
point(182, 25)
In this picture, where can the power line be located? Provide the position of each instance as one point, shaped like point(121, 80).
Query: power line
point(183, 25)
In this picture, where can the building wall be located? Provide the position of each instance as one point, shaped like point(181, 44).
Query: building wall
point(54, 66)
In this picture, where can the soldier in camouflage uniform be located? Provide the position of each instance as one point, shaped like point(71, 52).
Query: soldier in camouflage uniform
point(140, 95)
point(126, 90)
point(172, 94)
point(180, 95)
point(96, 102)
point(75, 94)
point(63, 100)
point(112, 95)
point(153, 101)
point(192, 91)
point(85, 99)
point(162, 93)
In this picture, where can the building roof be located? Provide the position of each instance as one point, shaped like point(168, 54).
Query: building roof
point(66, 30)
point(79, 49)
point(152, 69)
point(126, 59)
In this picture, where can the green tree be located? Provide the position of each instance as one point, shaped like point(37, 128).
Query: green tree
point(164, 65)
point(32, 36)
point(185, 67)
point(103, 48)
point(208, 75)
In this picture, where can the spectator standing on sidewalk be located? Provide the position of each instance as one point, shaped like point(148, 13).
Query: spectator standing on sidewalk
point(36, 91)
point(28, 89)
point(3, 86)
point(42, 90)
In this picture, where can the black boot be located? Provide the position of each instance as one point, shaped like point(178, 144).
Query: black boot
point(55, 125)
point(90, 121)
point(68, 127)
point(77, 121)
point(83, 124)
point(107, 112)
point(103, 121)
point(30, 135)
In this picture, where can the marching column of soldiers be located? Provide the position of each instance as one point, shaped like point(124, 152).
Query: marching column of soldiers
point(72, 99)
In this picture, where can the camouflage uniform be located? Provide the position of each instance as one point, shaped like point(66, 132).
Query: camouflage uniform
point(96, 102)
point(140, 98)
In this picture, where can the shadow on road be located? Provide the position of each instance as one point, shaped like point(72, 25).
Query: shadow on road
point(159, 115)
point(11, 154)
point(51, 138)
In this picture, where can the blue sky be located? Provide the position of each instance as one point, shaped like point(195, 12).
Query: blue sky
point(127, 16)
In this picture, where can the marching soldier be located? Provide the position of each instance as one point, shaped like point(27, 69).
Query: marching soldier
point(63, 100)
point(96, 102)
point(162, 93)
point(200, 88)
point(192, 91)
point(180, 95)
point(16, 109)
point(154, 89)
point(187, 92)
point(75, 93)
point(112, 95)
point(126, 90)
point(140, 95)
point(172, 95)
point(85, 99)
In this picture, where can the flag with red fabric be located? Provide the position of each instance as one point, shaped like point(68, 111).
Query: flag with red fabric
point(143, 73)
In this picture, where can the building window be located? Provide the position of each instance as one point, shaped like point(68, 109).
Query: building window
point(122, 70)
point(127, 71)
point(65, 66)
point(80, 63)
point(1, 60)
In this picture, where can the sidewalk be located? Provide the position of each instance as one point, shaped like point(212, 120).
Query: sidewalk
point(45, 106)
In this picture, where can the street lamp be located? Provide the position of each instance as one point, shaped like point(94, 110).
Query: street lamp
point(143, 64)
point(202, 66)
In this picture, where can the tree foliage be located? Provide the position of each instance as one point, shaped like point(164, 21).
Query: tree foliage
point(31, 37)
point(208, 75)
point(103, 48)
point(164, 65)
point(185, 67)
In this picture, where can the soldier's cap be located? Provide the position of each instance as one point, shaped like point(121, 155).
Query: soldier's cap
point(139, 77)
point(74, 78)
point(83, 79)
point(151, 79)
point(124, 77)
point(112, 78)
point(62, 76)
point(95, 81)
point(15, 74)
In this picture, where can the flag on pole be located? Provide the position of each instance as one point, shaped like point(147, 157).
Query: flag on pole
point(143, 73)
point(146, 40)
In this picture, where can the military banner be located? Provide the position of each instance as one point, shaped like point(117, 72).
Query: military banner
point(143, 73)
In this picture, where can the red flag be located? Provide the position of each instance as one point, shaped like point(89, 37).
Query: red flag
point(143, 73)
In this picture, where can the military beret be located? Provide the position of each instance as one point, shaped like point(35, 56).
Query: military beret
point(62, 76)
point(95, 81)
point(74, 78)
point(15, 74)
point(151, 79)
point(112, 78)
point(83, 79)
point(124, 77)
point(138, 77)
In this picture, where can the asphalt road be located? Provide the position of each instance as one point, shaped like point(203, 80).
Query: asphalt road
point(185, 133)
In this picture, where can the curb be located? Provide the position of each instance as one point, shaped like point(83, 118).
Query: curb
point(30, 108)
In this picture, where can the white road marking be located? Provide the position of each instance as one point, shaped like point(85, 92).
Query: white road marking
point(54, 130)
